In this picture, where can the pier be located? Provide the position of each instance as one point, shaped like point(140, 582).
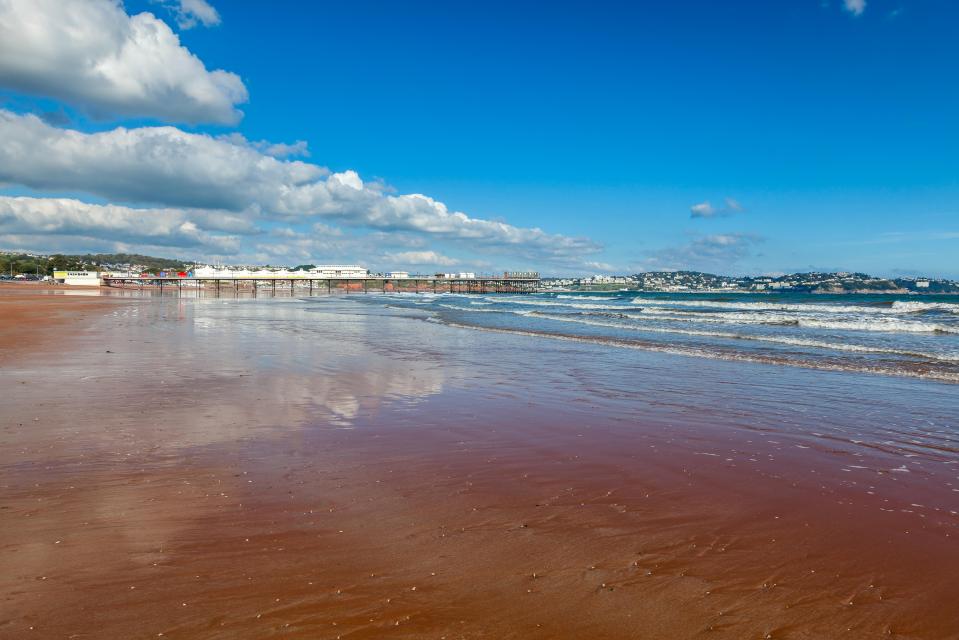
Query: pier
point(525, 283)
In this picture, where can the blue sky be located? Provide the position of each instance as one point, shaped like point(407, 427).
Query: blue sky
point(737, 137)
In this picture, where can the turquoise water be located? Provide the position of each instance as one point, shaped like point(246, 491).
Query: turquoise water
point(889, 334)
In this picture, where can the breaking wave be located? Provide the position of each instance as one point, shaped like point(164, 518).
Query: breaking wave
point(785, 340)
point(944, 376)
point(848, 332)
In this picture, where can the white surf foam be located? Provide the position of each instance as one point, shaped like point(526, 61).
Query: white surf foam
point(914, 306)
point(748, 305)
point(717, 355)
point(566, 297)
point(851, 323)
point(785, 340)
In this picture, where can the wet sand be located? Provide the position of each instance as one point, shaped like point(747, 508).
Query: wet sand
point(251, 469)
point(34, 316)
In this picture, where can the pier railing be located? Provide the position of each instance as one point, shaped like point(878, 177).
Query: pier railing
point(313, 286)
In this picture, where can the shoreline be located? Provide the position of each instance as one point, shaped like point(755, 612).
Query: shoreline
point(335, 476)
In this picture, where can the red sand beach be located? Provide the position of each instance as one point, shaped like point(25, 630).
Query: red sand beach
point(251, 469)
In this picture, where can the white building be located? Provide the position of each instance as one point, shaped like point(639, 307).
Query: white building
point(214, 272)
point(398, 275)
point(339, 271)
point(321, 271)
point(82, 278)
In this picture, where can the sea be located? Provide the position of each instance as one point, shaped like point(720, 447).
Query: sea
point(890, 334)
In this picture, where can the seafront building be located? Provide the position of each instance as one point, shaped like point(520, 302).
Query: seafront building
point(338, 271)
point(335, 271)
point(77, 278)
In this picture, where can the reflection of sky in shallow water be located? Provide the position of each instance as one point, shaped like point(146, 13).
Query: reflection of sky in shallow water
point(327, 359)
point(160, 377)
point(213, 371)
point(229, 369)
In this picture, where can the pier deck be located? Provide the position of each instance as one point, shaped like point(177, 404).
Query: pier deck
point(312, 286)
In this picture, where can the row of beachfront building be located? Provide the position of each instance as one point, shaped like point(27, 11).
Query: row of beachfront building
point(320, 272)
point(326, 271)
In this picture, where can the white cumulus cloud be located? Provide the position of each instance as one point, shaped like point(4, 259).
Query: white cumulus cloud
point(93, 54)
point(190, 13)
point(420, 258)
point(275, 149)
point(702, 210)
point(856, 7)
point(157, 165)
point(74, 219)
point(170, 167)
point(599, 266)
point(707, 210)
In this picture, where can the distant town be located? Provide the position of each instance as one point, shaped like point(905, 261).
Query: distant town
point(813, 282)
point(28, 266)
